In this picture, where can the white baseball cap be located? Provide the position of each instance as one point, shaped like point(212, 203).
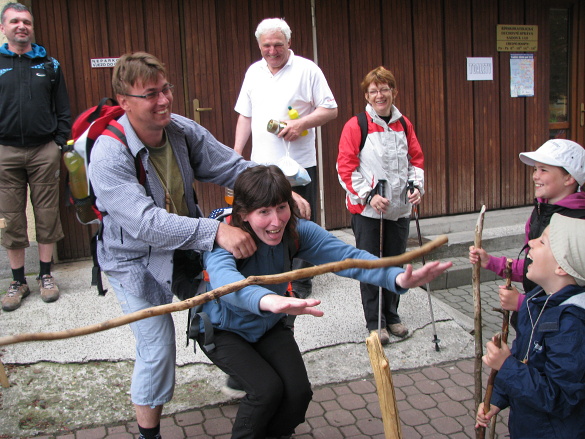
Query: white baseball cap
point(562, 153)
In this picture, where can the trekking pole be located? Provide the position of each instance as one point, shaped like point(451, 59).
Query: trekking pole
point(415, 208)
point(381, 193)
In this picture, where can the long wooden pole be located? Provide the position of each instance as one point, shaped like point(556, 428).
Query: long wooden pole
point(480, 432)
point(331, 267)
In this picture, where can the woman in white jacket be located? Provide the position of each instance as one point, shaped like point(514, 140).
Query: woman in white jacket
point(390, 154)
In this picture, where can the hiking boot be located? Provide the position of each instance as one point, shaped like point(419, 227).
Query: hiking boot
point(49, 289)
point(398, 329)
point(384, 336)
point(16, 292)
point(233, 389)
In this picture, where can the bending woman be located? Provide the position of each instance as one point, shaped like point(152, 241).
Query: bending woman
point(252, 343)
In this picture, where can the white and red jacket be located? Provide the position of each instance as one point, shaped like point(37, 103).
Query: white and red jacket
point(387, 155)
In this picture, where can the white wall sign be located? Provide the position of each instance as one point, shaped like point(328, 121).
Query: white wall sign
point(480, 69)
point(98, 63)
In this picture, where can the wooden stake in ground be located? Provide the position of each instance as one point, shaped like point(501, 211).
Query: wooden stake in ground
point(480, 432)
point(385, 387)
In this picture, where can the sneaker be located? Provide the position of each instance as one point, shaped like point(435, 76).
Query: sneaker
point(398, 329)
point(233, 389)
point(16, 292)
point(384, 336)
point(49, 289)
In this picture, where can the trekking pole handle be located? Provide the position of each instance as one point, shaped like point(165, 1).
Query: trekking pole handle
point(381, 188)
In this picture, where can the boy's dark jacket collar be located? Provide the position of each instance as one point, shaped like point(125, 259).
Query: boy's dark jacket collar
point(36, 52)
point(570, 295)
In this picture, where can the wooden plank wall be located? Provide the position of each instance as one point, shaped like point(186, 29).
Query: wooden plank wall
point(109, 33)
point(471, 132)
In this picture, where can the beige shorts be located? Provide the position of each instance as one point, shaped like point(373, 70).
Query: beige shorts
point(38, 168)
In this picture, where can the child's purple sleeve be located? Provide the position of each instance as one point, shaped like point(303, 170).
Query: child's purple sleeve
point(498, 265)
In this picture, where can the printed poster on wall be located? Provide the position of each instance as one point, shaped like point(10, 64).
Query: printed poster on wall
point(521, 75)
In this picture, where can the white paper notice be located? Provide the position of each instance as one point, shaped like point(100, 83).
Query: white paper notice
point(480, 69)
point(521, 74)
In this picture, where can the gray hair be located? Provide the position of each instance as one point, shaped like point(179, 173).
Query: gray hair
point(273, 25)
point(18, 7)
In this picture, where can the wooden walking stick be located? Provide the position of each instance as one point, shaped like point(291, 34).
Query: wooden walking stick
point(332, 267)
point(499, 339)
point(3, 377)
point(385, 387)
point(480, 432)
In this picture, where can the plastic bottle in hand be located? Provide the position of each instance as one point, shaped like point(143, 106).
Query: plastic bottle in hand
point(294, 114)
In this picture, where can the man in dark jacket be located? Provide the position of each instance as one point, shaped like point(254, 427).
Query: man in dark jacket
point(35, 121)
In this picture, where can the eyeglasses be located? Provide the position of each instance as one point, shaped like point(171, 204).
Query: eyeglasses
point(384, 91)
point(166, 90)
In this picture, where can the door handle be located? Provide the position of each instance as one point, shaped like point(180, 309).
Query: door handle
point(197, 110)
point(582, 114)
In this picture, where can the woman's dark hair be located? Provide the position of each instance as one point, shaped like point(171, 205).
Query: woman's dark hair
point(262, 186)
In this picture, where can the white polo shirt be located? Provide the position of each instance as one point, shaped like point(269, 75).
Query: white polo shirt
point(264, 96)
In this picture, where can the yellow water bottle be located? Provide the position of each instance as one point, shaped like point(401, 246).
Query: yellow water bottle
point(77, 174)
point(294, 114)
point(78, 184)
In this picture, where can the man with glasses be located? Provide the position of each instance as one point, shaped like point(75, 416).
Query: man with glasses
point(153, 230)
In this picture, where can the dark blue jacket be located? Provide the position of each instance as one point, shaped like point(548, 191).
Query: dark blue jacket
point(34, 104)
point(546, 395)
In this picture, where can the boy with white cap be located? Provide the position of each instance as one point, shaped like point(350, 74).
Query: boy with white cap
point(559, 173)
point(542, 379)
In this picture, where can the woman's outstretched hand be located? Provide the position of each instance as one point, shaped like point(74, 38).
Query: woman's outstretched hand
point(290, 305)
point(414, 278)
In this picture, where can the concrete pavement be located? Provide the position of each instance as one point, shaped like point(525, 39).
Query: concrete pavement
point(79, 387)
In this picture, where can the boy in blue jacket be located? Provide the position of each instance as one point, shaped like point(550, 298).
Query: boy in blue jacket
point(542, 379)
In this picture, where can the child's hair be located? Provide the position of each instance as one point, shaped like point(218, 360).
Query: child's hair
point(567, 243)
point(262, 186)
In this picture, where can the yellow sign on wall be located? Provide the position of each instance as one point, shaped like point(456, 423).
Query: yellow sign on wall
point(517, 38)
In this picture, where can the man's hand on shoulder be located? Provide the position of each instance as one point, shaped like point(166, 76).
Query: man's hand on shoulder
point(303, 206)
point(236, 241)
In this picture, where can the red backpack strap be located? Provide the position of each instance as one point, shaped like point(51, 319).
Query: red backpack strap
point(116, 131)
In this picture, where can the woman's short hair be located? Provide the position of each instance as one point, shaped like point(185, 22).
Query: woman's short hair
point(133, 67)
point(273, 25)
point(262, 186)
point(380, 75)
